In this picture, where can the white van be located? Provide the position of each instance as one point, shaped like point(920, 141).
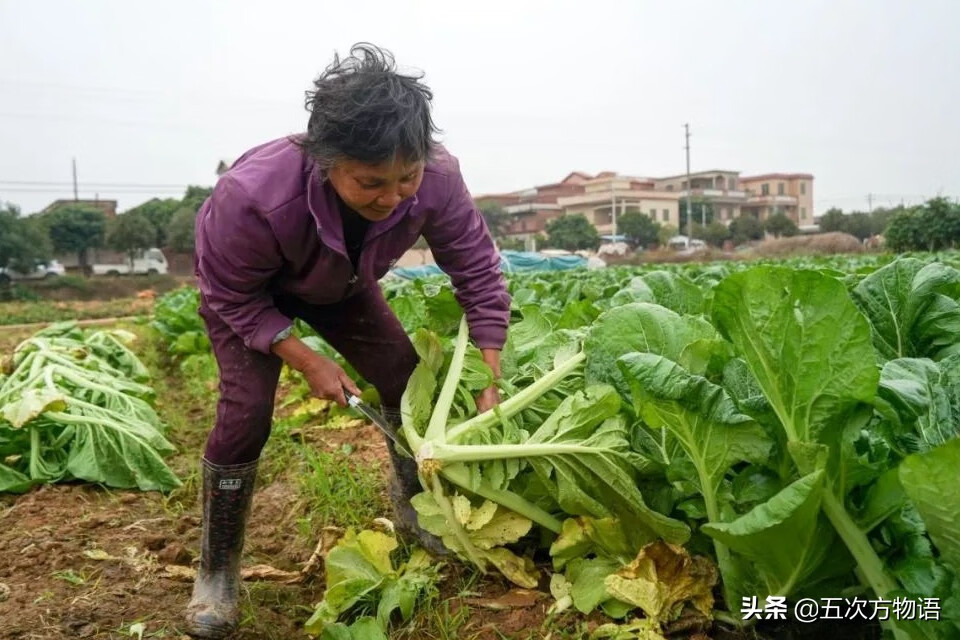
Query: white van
point(686, 245)
point(151, 261)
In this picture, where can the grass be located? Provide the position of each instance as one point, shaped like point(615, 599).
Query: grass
point(333, 487)
point(70, 576)
point(339, 491)
point(103, 288)
point(48, 311)
point(184, 403)
point(444, 618)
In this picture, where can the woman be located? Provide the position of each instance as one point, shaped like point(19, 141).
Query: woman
point(304, 228)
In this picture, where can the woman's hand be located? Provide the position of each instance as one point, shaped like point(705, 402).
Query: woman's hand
point(326, 378)
point(490, 397)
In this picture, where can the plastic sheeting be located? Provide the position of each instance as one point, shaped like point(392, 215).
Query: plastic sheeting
point(510, 262)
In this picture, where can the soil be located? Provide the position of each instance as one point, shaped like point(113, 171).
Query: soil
point(82, 561)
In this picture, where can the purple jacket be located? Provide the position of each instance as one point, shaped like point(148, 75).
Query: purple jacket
point(272, 227)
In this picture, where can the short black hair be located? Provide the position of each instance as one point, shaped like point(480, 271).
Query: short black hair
point(362, 108)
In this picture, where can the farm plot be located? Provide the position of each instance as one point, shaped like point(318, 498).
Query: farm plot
point(675, 447)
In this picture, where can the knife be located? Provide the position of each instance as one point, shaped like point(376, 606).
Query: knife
point(381, 423)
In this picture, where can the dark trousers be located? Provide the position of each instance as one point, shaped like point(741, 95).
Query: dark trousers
point(361, 328)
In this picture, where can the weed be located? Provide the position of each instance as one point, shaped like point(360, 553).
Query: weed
point(69, 576)
point(339, 490)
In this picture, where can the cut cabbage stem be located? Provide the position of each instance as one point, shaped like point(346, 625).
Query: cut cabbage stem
point(515, 404)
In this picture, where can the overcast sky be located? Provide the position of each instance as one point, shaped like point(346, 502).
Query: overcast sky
point(864, 95)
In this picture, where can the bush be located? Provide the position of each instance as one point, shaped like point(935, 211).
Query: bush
point(931, 227)
point(639, 228)
point(779, 225)
point(572, 233)
point(512, 244)
point(746, 228)
point(714, 234)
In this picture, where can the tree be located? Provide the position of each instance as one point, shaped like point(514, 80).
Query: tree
point(702, 212)
point(745, 228)
point(833, 220)
point(23, 241)
point(905, 231)
point(180, 230)
point(194, 197)
point(159, 213)
point(940, 220)
point(512, 244)
point(131, 232)
point(666, 232)
point(77, 228)
point(639, 228)
point(881, 217)
point(714, 234)
point(779, 225)
point(573, 233)
point(859, 225)
point(177, 231)
point(498, 220)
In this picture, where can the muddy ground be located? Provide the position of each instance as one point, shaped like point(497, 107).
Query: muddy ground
point(82, 561)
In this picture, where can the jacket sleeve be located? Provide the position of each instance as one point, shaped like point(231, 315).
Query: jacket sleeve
point(237, 256)
point(464, 249)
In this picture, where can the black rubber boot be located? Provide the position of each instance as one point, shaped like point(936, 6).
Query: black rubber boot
point(213, 611)
point(404, 484)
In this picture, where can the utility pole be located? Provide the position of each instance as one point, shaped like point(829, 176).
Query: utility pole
point(613, 209)
point(75, 197)
point(686, 129)
point(870, 202)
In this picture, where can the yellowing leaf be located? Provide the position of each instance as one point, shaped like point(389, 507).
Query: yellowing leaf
point(100, 554)
point(518, 570)
point(31, 404)
point(359, 573)
point(662, 578)
point(641, 629)
point(560, 589)
point(481, 516)
point(312, 407)
point(461, 509)
point(582, 536)
point(499, 526)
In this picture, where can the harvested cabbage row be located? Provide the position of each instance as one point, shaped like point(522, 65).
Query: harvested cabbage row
point(76, 406)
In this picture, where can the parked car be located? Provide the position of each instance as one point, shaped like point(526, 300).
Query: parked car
point(41, 271)
point(150, 261)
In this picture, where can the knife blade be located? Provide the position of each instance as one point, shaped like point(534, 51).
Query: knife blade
point(378, 420)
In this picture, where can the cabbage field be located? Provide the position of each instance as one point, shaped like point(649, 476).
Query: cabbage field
point(680, 451)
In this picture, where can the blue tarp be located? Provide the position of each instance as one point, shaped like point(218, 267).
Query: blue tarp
point(510, 262)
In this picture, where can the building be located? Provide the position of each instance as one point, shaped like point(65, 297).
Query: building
point(597, 197)
point(608, 193)
point(718, 187)
point(760, 196)
point(532, 209)
point(788, 193)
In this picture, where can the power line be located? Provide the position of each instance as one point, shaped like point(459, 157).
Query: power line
point(54, 183)
point(686, 129)
point(83, 189)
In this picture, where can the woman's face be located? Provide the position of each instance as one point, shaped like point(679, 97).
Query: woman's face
point(374, 191)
